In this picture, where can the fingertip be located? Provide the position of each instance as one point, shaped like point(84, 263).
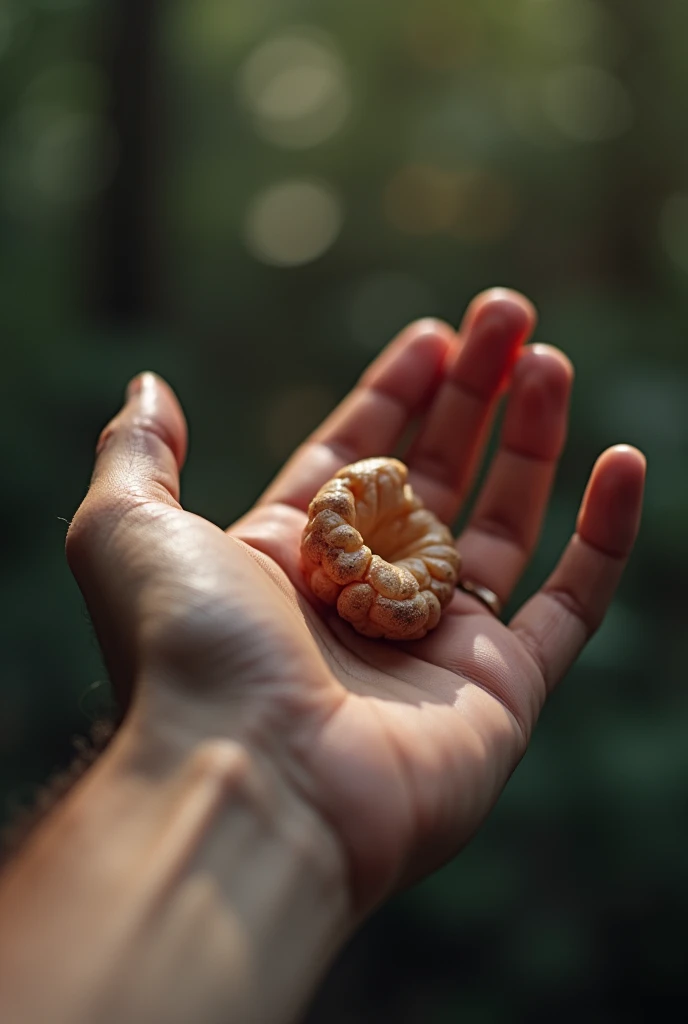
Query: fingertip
point(553, 356)
point(536, 417)
point(627, 455)
point(134, 387)
point(611, 510)
point(621, 467)
point(431, 326)
point(546, 366)
point(145, 380)
point(493, 331)
point(512, 308)
point(413, 363)
point(155, 399)
point(430, 334)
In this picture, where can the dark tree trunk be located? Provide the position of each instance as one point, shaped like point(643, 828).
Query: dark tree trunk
point(124, 281)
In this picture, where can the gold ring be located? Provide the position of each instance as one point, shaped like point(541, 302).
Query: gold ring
point(484, 595)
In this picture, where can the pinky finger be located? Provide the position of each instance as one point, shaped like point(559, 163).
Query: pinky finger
point(557, 622)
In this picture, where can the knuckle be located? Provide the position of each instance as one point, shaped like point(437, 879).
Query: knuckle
point(82, 528)
point(505, 691)
point(143, 434)
point(95, 521)
point(571, 604)
point(503, 527)
point(106, 436)
point(76, 540)
point(223, 762)
point(147, 433)
point(79, 543)
point(432, 463)
point(533, 646)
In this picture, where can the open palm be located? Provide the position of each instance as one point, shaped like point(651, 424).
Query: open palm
point(401, 747)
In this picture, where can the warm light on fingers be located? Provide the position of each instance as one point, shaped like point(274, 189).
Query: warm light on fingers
point(610, 513)
point(496, 325)
point(536, 417)
point(499, 296)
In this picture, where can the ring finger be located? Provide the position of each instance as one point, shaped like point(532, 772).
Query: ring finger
point(505, 524)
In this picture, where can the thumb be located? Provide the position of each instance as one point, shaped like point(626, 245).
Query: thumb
point(110, 545)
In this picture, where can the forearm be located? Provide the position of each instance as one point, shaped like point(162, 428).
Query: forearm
point(193, 888)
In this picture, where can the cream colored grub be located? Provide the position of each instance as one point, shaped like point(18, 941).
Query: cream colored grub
point(373, 550)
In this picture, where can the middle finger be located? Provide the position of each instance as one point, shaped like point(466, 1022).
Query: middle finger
point(504, 527)
point(443, 457)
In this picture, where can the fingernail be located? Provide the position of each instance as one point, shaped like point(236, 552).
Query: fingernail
point(134, 386)
point(145, 381)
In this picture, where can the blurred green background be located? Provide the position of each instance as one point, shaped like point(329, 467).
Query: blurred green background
point(251, 197)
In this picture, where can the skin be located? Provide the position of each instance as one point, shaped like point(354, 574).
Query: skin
point(277, 775)
point(399, 749)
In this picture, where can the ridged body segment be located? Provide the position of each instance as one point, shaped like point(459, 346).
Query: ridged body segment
point(371, 548)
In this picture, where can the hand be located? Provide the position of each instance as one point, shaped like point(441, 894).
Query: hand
point(401, 749)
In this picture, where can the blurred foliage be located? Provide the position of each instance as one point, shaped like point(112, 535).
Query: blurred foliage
point(252, 197)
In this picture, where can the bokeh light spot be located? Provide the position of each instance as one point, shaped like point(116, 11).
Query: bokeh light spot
point(296, 87)
point(293, 222)
point(573, 26)
point(587, 104)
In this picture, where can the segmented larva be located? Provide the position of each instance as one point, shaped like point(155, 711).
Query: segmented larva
point(371, 548)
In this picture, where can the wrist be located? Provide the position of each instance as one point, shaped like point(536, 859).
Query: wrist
point(184, 875)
